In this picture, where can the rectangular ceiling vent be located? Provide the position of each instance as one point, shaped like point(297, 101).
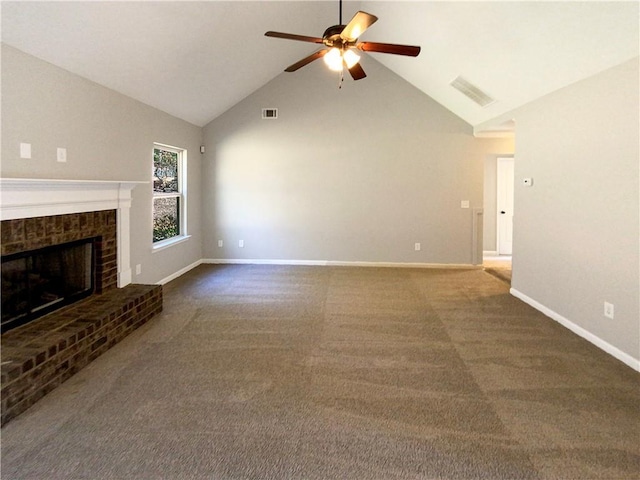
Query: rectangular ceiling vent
point(269, 113)
point(471, 91)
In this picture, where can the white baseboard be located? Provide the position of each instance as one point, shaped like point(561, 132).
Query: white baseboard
point(252, 261)
point(404, 265)
point(334, 263)
point(180, 272)
point(597, 341)
point(490, 253)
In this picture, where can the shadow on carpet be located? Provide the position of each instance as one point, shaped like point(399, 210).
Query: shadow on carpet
point(502, 274)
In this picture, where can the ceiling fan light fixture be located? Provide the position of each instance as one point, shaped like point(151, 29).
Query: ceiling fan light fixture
point(341, 41)
point(333, 59)
point(351, 58)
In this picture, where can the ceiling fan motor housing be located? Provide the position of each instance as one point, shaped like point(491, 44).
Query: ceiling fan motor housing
point(331, 36)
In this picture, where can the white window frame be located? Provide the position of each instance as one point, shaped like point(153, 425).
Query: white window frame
point(181, 194)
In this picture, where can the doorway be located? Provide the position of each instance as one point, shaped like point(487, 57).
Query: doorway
point(504, 202)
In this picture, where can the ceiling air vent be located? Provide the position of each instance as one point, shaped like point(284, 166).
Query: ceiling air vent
point(471, 91)
point(269, 113)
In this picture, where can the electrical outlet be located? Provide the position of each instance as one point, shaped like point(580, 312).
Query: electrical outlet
point(608, 310)
point(417, 247)
point(241, 243)
point(464, 203)
point(220, 243)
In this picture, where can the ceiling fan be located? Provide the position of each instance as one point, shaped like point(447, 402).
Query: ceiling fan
point(341, 41)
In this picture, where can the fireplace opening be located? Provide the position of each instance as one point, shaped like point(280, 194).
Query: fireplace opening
point(37, 282)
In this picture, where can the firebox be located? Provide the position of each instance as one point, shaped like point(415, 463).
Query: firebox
point(39, 281)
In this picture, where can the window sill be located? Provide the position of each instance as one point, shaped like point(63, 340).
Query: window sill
point(169, 242)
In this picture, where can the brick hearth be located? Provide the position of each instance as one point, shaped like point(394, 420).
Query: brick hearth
point(40, 355)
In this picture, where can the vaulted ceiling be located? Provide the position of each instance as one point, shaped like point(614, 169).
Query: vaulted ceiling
point(195, 60)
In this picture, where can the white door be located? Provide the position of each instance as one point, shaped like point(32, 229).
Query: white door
point(505, 206)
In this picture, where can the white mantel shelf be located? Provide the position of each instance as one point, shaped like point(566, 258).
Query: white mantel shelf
point(39, 197)
point(35, 197)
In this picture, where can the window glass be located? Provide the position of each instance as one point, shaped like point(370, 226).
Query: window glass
point(165, 171)
point(166, 218)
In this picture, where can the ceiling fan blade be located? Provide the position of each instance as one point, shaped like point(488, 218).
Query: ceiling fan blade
point(357, 25)
point(306, 60)
point(292, 36)
point(357, 72)
point(408, 50)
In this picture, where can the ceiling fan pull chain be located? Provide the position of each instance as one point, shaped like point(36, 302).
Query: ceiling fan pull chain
point(340, 79)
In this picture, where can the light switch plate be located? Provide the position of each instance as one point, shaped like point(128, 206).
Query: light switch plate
point(25, 150)
point(62, 154)
point(608, 310)
point(464, 204)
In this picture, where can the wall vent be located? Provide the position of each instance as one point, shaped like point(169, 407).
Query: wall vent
point(269, 113)
point(471, 91)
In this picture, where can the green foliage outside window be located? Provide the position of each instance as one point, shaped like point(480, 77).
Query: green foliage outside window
point(165, 171)
point(166, 218)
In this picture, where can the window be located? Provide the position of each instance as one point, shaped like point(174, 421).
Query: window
point(169, 198)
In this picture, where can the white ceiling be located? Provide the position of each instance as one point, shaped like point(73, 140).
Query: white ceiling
point(195, 60)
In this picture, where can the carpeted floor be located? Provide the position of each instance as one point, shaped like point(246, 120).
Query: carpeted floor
point(275, 372)
point(499, 267)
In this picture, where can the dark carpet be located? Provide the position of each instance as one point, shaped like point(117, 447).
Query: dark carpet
point(275, 372)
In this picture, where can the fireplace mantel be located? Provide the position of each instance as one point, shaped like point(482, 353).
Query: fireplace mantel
point(34, 197)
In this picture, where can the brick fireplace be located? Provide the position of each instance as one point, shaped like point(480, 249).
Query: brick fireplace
point(35, 213)
point(29, 234)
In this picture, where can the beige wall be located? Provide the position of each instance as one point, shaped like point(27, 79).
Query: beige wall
point(108, 136)
point(576, 230)
point(358, 175)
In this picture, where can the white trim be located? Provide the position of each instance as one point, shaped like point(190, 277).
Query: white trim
point(169, 242)
point(489, 253)
point(181, 195)
point(258, 261)
point(494, 134)
point(335, 263)
point(597, 341)
point(179, 273)
point(38, 197)
point(498, 258)
point(405, 265)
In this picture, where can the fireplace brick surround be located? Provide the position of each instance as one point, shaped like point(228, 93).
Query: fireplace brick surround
point(39, 356)
point(24, 234)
